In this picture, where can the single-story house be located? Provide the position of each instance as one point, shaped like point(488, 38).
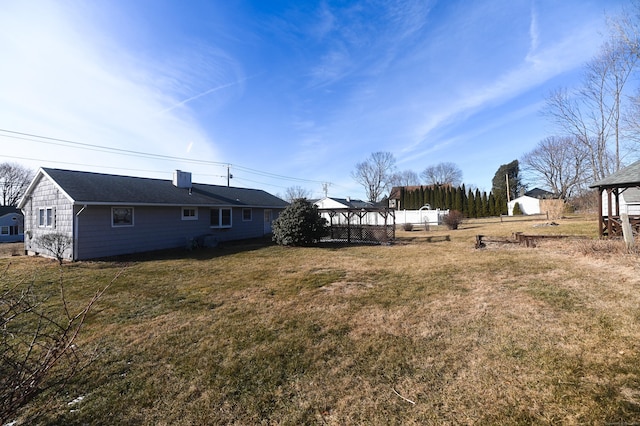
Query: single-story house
point(11, 225)
point(341, 203)
point(106, 215)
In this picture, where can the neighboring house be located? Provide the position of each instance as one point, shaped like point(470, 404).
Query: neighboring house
point(540, 194)
point(11, 225)
point(341, 203)
point(395, 195)
point(106, 215)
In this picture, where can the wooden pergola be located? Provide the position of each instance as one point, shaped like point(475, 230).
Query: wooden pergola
point(354, 226)
point(615, 185)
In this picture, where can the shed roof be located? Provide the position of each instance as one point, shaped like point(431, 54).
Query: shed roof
point(98, 188)
point(625, 177)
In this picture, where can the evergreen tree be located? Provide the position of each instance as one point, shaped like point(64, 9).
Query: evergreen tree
point(492, 205)
point(501, 205)
point(511, 172)
point(471, 205)
point(464, 206)
point(517, 211)
point(447, 198)
point(478, 203)
point(299, 224)
point(459, 195)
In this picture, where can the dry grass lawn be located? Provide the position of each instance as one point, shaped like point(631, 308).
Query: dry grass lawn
point(425, 331)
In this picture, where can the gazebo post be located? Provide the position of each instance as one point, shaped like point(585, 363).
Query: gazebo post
point(600, 217)
point(609, 208)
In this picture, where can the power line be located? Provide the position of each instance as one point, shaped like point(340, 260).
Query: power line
point(101, 148)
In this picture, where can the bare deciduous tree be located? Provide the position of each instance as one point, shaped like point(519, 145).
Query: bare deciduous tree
point(14, 180)
point(405, 178)
point(375, 174)
point(594, 113)
point(557, 163)
point(295, 192)
point(442, 174)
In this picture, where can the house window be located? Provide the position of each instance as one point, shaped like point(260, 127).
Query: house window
point(5, 230)
point(121, 216)
point(221, 218)
point(45, 217)
point(246, 215)
point(189, 213)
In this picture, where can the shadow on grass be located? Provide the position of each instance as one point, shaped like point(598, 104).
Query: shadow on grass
point(225, 248)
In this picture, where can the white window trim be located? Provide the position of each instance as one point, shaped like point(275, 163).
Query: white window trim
point(194, 217)
point(219, 225)
point(250, 214)
point(114, 225)
point(43, 213)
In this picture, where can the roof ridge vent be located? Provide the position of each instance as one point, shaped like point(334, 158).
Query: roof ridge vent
point(182, 179)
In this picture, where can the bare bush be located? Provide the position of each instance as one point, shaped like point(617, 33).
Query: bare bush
point(37, 343)
point(55, 243)
point(407, 227)
point(453, 219)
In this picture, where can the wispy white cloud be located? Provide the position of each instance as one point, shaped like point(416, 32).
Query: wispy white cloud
point(70, 81)
point(533, 30)
point(540, 65)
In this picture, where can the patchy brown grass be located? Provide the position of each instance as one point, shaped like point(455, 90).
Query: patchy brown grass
point(11, 249)
point(426, 331)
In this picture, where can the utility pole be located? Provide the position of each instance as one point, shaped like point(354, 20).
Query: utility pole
point(229, 175)
point(508, 192)
point(325, 188)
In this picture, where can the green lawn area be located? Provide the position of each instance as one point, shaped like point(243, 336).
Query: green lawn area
point(428, 330)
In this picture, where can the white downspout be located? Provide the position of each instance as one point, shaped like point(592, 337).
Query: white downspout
point(75, 233)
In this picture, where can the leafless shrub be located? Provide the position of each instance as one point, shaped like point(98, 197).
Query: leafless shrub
point(453, 219)
point(407, 227)
point(37, 349)
point(56, 243)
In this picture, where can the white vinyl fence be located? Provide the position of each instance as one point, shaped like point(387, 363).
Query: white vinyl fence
point(420, 217)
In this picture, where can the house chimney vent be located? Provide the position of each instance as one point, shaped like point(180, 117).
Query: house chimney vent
point(182, 179)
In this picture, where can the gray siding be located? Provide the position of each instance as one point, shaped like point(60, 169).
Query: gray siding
point(47, 195)
point(155, 228)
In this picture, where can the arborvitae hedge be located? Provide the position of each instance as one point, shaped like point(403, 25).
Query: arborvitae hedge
point(469, 203)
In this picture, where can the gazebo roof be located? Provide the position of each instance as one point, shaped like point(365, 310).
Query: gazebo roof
point(625, 177)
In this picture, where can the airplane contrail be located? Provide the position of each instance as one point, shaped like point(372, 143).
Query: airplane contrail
point(206, 92)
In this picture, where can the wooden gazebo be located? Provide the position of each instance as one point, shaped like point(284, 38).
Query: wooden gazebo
point(626, 180)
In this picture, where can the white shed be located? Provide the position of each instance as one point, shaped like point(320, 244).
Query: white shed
point(528, 205)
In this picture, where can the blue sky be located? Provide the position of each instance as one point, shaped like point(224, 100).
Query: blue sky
point(289, 93)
